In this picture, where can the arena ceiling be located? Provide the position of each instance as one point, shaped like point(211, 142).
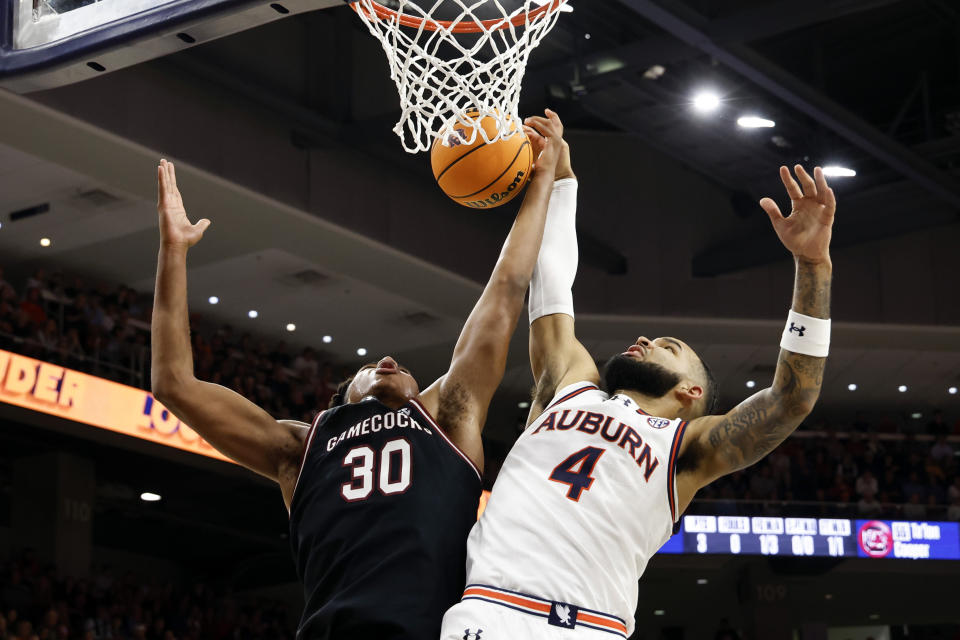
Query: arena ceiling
point(284, 136)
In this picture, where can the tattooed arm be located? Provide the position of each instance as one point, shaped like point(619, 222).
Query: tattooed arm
point(714, 446)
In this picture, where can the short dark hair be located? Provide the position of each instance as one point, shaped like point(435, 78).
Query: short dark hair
point(711, 392)
point(340, 395)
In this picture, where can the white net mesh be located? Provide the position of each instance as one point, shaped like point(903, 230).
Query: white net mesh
point(445, 69)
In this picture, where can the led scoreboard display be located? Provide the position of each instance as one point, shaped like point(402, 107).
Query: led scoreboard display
point(831, 537)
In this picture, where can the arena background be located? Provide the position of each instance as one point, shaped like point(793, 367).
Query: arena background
point(282, 137)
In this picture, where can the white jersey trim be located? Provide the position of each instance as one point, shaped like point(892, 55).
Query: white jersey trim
point(426, 415)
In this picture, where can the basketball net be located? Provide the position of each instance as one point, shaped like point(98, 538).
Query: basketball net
point(437, 69)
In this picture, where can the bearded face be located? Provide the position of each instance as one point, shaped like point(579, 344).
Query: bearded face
point(625, 373)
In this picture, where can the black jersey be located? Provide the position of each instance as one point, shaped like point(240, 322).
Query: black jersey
point(379, 523)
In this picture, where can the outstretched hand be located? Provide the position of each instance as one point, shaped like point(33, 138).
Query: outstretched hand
point(806, 232)
point(175, 228)
point(546, 139)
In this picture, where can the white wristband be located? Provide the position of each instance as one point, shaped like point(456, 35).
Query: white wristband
point(806, 335)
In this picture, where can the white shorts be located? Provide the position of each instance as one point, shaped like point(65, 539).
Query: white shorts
point(487, 613)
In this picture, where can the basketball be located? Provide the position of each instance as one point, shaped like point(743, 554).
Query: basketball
point(481, 175)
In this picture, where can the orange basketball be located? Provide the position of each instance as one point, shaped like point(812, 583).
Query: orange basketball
point(481, 175)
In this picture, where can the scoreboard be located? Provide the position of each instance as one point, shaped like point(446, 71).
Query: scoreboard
point(831, 537)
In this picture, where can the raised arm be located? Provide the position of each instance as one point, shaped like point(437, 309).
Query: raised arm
point(557, 358)
point(714, 446)
point(235, 426)
point(461, 397)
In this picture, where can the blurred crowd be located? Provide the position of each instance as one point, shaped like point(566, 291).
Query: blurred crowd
point(860, 472)
point(38, 604)
point(895, 469)
point(105, 330)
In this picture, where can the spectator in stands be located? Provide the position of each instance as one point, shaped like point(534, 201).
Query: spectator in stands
point(32, 305)
point(868, 507)
point(937, 426)
point(915, 509)
point(867, 484)
point(942, 452)
point(7, 292)
point(953, 512)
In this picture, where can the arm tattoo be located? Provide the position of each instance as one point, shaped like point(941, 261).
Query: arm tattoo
point(758, 425)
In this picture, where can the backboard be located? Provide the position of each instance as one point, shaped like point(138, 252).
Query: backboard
point(50, 43)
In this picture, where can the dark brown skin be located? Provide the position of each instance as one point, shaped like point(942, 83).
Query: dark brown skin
point(459, 399)
point(714, 446)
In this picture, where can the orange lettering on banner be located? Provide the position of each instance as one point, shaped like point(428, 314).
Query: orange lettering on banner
point(48, 379)
point(21, 375)
point(86, 399)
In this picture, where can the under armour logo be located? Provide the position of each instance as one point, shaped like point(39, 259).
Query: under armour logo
point(472, 635)
point(799, 330)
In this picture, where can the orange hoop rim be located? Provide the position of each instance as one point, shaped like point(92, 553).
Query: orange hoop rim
point(383, 13)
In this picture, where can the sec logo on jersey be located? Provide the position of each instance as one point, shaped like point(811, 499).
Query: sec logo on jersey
point(658, 423)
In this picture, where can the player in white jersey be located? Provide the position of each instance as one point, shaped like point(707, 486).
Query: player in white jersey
point(607, 464)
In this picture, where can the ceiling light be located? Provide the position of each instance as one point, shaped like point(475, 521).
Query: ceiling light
point(751, 384)
point(291, 327)
point(327, 339)
point(706, 101)
point(146, 496)
point(252, 313)
point(44, 242)
point(916, 415)
point(654, 72)
point(213, 300)
point(523, 405)
point(701, 581)
point(838, 172)
point(658, 612)
point(361, 351)
point(902, 388)
point(586, 36)
point(952, 391)
point(852, 386)
point(755, 122)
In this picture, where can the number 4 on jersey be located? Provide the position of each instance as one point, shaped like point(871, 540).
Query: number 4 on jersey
point(575, 471)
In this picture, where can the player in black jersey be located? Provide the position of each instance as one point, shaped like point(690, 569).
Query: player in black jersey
point(381, 494)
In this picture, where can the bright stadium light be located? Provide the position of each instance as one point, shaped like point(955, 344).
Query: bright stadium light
point(146, 496)
point(213, 300)
point(659, 612)
point(706, 101)
point(952, 391)
point(252, 313)
point(751, 384)
point(291, 327)
point(45, 242)
point(833, 171)
point(361, 351)
point(902, 388)
point(327, 339)
point(702, 581)
point(852, 386)
point(755, 122)
point(523, 405)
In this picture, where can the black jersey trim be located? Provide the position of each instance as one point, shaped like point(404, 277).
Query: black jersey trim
point(426, 415)
point(303, 457)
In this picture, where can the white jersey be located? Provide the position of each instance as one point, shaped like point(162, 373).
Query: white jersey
point(586, 496)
